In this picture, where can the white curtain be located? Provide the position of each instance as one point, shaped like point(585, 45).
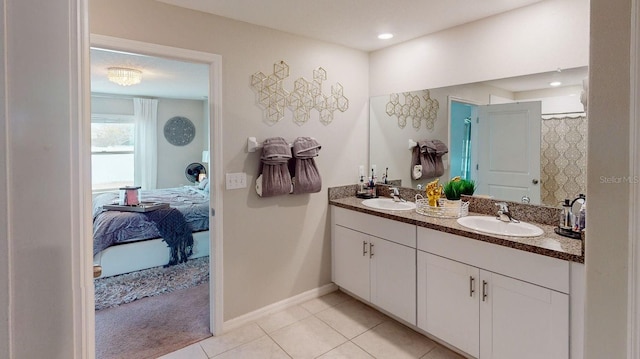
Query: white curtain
point(146, 142)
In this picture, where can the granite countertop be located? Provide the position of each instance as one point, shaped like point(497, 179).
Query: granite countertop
point(549, 244)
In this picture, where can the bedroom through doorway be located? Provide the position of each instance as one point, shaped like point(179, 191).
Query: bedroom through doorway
point(152, 184)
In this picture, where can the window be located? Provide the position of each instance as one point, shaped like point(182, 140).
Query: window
point(112, 151)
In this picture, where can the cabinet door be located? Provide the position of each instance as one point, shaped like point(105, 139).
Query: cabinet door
point(393, 278)
point(351, 261)
point(448, 301)
point(522, 320)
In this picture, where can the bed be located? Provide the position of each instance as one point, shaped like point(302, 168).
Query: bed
point(129, 241)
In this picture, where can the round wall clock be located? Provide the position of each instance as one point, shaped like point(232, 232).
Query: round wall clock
point(179, 131)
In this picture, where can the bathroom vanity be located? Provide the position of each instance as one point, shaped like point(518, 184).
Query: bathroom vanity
point(488, 296)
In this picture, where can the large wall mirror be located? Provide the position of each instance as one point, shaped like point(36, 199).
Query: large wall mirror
point(522, 137)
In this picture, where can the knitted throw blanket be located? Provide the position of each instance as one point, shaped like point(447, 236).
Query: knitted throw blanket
point(175, 231)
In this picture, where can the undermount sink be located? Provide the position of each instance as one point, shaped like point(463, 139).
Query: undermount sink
point(389, 204)
point(493, 225)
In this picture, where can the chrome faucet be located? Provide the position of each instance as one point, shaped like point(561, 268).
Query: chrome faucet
point(395, 194)
point(503, 213)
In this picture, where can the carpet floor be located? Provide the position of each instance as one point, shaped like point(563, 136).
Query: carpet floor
point(153, 326)
point(126, 288)
point(153, 312)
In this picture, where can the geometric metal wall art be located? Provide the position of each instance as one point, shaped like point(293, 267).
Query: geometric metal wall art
point(414, 109)
point(305, 96)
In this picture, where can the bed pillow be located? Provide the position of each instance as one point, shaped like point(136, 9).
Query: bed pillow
point(204, 184)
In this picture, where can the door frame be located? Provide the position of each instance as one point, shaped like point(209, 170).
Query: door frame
point(214, 62)
point(633, 284)
point(474, 135)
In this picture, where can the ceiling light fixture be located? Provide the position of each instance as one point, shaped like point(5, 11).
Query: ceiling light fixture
point(385, 36)
point(555, 78)
point(124, 76)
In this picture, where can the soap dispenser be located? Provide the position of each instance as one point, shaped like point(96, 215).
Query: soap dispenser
point(361, 187)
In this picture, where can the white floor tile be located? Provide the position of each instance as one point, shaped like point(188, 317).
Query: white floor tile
point(193, 351)
point(347, 350)
point(307, 338)
point(351, 318)
point(393, 340)
point(440, 352)
point(325, 302)
point(296, 333)
point(283, 318)
point(243, 335)
point(263, 348)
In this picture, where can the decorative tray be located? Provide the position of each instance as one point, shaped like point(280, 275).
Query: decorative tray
point(142, 207)
point(568, 233)
point(445, 208)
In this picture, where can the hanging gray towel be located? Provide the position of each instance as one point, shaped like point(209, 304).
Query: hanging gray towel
point(275, 149)
point(431, 152)
point(437, 149)
point(276, 179)
point(307, 177)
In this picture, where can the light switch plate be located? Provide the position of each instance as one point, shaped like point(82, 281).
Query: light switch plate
point(236, 180)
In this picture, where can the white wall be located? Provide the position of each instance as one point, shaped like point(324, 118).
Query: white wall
point(277, 247)
point(538, 38)
point(45, 212)
point(172, 160)
point(607, 220)
point(4, 215)
point(559, 100)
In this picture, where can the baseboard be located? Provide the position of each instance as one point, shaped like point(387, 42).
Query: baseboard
point(278, 306)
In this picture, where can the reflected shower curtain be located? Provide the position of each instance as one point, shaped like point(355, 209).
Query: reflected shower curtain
point(563, 158)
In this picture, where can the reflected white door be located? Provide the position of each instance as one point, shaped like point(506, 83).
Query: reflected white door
point(508, 165)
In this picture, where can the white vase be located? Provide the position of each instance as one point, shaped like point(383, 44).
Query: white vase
point(443, 202)
point(450, 208)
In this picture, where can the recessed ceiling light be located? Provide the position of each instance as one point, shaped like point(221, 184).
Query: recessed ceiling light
point(385, 36)
point(555, 83)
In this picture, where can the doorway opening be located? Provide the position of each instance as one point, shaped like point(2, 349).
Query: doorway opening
point(161, 157)
point(461, 124)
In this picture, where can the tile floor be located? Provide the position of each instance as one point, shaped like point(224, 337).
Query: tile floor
point(332, 326)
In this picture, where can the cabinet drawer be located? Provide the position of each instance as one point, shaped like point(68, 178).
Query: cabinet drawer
point(545, 271)
point(394, 231)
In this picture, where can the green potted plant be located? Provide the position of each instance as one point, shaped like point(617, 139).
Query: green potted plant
point(458, 186)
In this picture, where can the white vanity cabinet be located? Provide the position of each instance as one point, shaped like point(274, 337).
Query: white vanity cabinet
point(523, 312)
point(522, 320)
point(375, 259)
point(448, 301)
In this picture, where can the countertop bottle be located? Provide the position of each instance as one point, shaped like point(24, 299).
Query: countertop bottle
point(361, 186)
point(582, 216)
point(566, 215)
